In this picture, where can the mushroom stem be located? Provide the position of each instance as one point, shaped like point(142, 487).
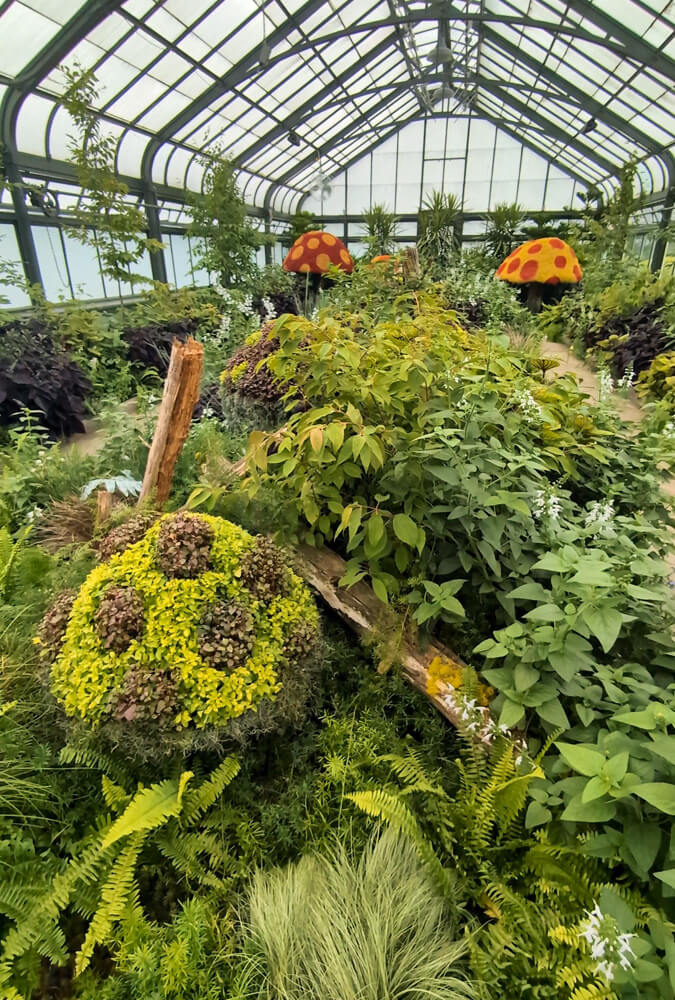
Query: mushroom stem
point(534, 296)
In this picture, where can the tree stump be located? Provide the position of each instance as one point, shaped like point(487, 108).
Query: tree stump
point(181, 392)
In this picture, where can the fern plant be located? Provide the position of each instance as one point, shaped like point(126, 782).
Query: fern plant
point(526, 896)
point(100, 881)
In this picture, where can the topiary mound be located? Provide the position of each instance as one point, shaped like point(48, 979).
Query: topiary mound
point(197, 626)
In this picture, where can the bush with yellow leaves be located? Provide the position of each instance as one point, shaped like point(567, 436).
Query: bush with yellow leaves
point(209, 645)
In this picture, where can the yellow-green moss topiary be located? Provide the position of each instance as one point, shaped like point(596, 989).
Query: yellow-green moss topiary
point(173, 657)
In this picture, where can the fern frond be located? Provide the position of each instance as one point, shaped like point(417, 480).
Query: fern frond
point(410, 770)
point(114, 795)
point(116, 894)
point(149, 808)
point(198, 800)
point(95, 761)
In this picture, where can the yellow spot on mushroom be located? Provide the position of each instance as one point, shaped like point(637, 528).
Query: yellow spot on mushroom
point(329, 240)
point(297, 252)
point(344, 257)
point(304, 268)
point(323, 261)
point(313, 243)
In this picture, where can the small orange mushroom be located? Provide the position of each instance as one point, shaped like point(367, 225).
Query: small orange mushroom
point(537, 263)
point(315, 252)
point(382, 258)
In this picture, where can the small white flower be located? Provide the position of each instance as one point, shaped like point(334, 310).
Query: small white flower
point(669, 430)
point(608, 947)
point(546, 505)
point(268, 306)
point(600, 514)
point(606, 387)
point(529, 407)
point(627, 379)
point(245, 307)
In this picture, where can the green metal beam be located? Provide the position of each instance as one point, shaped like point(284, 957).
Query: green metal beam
point(237, 74)
point(310, 105)
point(636, 48)
point(550, 127)
point(39, 66)
point(588, 103)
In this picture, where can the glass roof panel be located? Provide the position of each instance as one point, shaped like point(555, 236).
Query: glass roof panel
point(345, 76)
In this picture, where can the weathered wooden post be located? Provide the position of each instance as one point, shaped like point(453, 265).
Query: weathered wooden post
point(181, 392)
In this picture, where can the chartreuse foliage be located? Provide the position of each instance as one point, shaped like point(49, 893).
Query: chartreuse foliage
point(526, 897)
point(100, 879)
point(94, 681)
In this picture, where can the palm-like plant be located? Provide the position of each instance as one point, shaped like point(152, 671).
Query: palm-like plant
point(504, 230)
point(380, 227)
point(437, 229)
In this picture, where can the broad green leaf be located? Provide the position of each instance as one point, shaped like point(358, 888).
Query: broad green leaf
point(605, 623)
point(536, 815)
point(531, 592)
point(612, 903)
point(667, 876)
point(664, 746)
point(592, 575)
point(595, 789)
point(546, 613)
point(643, 840)
point(149, 808)
point(375, 529)
point(641, 720)
point(553, 712)
point(588, 812)
point(511, 713)
point(525, 676)
point(316, 438)
point(453, 606)
point(551, 562)
point(380, 589)
point(658, 794)
point(616, 767)
point(405, 529)
point(584, 759)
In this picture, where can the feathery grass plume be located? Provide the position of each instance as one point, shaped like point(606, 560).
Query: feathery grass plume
point(329, 928)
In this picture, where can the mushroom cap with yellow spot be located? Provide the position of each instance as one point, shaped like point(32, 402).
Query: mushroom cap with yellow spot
point(315, 252)
point(548, 260)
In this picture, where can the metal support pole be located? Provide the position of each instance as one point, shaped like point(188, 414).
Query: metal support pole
point(268, 229)
point(157, 261)
point(659, 251)
point(24, 234)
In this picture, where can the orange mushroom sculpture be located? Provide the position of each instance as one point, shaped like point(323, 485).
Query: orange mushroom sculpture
point(315, 252)
point(538, 263)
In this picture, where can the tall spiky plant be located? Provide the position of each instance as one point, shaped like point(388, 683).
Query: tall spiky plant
point(380, 227)
point(504, 230)
point(437, 227)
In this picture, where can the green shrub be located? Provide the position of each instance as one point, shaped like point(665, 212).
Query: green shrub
point(147, 615)
point(657, 383)
point(330, 929)
point(528, 897)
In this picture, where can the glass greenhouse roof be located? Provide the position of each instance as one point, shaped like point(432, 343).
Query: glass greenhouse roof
point(295, 91)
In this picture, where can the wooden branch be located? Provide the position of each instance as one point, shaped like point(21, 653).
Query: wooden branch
point(365, 613)
point(181, 392)
point(104, 502)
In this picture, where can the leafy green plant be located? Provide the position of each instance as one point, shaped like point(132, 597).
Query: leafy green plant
point(100, 878)
point(301, 223)
point(227, 240)
point(380, 227)
point(657, 383)
point(36, 375)
point(504, 230)
point(139, 649)
point(437, 221)
point(527, 896)
point(329, 928)
point(105, 219)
